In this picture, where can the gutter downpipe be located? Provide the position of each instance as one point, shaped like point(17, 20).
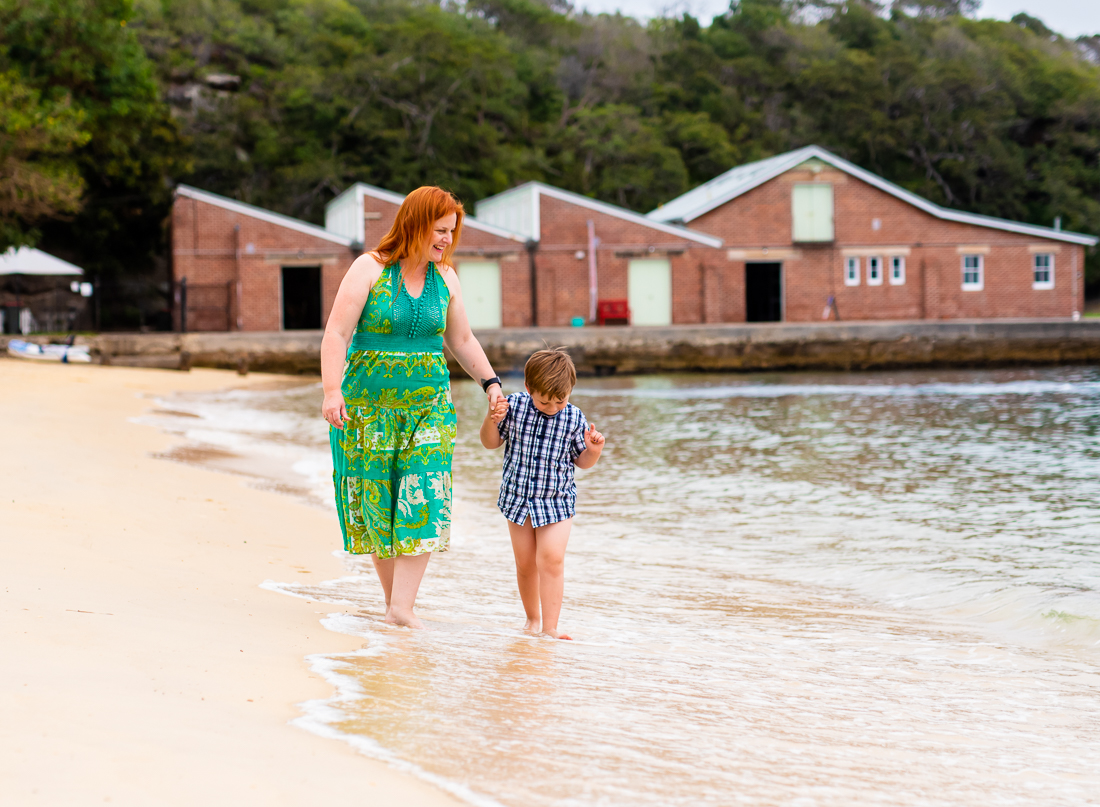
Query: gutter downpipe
point(532, 247)
point(237, 267)
point(592, 285)
point(1078, 282)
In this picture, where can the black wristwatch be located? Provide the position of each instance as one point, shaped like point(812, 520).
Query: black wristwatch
point(488, 382)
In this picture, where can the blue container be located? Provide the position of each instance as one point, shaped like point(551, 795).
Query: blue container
point(578, 322)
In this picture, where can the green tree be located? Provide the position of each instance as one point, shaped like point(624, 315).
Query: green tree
point(332, 92)
point(704, 146)
point(936, 8)
point(39, 179)
point(614, 154)
point(84, 50)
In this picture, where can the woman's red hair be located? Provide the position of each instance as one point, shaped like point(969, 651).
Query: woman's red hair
point(411, 230)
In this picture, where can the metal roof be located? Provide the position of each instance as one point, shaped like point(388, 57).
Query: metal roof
point(28, 261)
point(744, 178)
point(363, 189)
point(370, 190)
point(264, 215)
point(539, 188)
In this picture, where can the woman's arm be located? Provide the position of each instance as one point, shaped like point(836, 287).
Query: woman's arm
point(346, 309)
point(462, 342)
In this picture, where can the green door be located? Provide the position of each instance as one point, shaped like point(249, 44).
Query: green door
point(481, 292)
point(649, 290)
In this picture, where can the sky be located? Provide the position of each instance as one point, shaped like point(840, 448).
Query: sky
point(1070, 18)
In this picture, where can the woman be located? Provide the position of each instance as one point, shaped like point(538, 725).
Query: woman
point(392, 421)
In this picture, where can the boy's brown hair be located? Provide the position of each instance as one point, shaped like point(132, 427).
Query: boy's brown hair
point(550, 372)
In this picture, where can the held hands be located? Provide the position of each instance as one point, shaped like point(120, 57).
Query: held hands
point(498, 404)
point(498, 408)
point(333, 409)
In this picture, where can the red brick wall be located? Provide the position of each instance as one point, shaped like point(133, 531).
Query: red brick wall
point(204, 250)
point(933, 284)
point(378, 218)
point(563, 278)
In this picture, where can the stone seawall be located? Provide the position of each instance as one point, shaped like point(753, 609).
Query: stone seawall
point(824, 346)
point(602, 351)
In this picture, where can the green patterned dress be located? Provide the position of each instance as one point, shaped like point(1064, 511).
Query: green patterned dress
point(392, 460)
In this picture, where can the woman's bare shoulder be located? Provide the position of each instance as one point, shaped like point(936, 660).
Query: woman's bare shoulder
point(367, 268)
point(450, 276)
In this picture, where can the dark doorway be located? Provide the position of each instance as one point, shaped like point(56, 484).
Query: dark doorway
point(301, 298)
point(763, 292)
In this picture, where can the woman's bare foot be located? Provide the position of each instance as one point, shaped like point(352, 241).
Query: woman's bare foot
point(531, 626)
point(406, 619)
point(555, 634)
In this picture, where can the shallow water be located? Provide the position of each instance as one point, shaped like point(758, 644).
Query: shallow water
point(823, 589)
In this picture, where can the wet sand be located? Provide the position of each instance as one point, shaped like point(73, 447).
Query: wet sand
point(143, 664)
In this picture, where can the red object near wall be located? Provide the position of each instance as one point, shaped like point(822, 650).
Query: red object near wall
point(612, 312)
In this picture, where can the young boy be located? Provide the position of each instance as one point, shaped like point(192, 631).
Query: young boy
point(543, 436)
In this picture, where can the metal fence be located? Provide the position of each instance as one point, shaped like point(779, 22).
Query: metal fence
point(204, 306)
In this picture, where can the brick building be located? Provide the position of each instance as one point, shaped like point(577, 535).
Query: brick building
point(585, 251)
point(806, 227)
point(793, 237)
point(239, 267)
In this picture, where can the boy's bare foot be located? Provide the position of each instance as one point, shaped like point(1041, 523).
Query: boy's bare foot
point(555, 634)
point(406, 619)
point(531, 626)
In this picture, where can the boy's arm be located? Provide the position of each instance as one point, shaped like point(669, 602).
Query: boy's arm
point(490, 434)
point(593, 447)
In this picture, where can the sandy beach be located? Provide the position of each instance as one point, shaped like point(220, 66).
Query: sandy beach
point(143, 663)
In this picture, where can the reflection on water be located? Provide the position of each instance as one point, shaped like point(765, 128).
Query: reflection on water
point(789, 589)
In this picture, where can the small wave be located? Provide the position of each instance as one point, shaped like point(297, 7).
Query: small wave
point(1086, 388)
point(1080, 627)
point(322, 716)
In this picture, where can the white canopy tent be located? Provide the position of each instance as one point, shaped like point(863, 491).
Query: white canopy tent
point(33, 273)
point(28, 261)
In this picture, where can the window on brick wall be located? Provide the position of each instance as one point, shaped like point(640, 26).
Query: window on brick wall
point(851, 272)
point(1042, 270)
point(812, 212)
point(897, 270)
point(973, 273)
point(874, 271)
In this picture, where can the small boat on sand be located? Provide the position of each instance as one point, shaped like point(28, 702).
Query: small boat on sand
point(62, 353)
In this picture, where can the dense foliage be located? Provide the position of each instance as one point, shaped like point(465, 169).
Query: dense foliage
point(283, 103)
point(99, 144)
point(38, 180)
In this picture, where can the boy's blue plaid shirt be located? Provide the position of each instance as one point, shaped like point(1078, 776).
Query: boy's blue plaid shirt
point(538, 462)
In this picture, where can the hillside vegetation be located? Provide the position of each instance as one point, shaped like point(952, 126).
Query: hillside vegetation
point(283, 103)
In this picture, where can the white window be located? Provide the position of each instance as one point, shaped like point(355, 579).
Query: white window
point(1042, 268)
point(874, 271)
point(812, 212)
point(973, 279)
point(851, 272)
point(897, 270)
